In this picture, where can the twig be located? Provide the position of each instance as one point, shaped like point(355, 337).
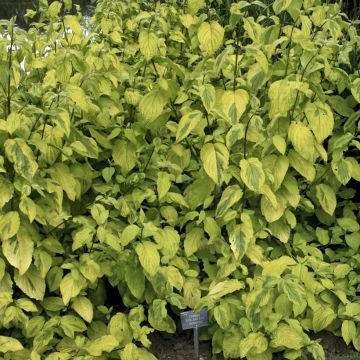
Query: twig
point(172, 107)
point(66, 37)
point(192, 150)
point(148, 162)
point(298, 91)
point(245, 138)
point(288, 52)
point(9, 76)
point(236, 60)
point(153, 64)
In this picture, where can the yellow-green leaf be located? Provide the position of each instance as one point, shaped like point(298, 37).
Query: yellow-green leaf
point(124, 155)
point(327, 198)
point(9, 225)
point(193, 6)
point(187, 124)
point(210, 36)
point(280, 144)
point(84, 307)
point(21, 155)
point(18, 250)
point(323, 317)
point(54, 9)
point(105, 343)
point(70, 286)
point(355, 89)
point(280, 170)
point(280, 230)
point(222, 315)
point(28, 207)
point(252, 174)
point(173, 276)
point(282, 95)
point(168, 239)
point(131, 352)
point(320, 118)
point(163, 184)
point(135, 280)
point(215, 158)
point(207, 95)
point(348, 331)
point(6, 191)
point(120, 328)
point(148, 256)
point(231, 195)
point(78, 96)
point(148, 44)
point(159, 318)
point(72, 22)
point(176, 198)
point(234, 104)
point(289, 337)
point(2, 268)
point(318, 15)
point(278, 266)
point(302, 140)
point(86, 147)
point(99, 213)
point(4, 72)
point(31, 283)
point(272, 211)
point(236, 133)
point(129, 234)
point(63, 176)
point(342, 168)
point(225, 287)
point(239, 239)
point(253, 344)
point(316, 350)
point(302, 166)
point(9, 344)
point(152, 105)
point(193, 240)
point(281, 5)
point(341, 270)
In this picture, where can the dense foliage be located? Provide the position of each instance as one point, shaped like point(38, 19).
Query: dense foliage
point(189, 154)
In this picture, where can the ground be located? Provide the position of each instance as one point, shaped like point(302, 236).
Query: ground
point(335, 348)
point(180, 347)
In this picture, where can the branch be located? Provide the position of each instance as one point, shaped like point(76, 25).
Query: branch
point(9, 77)
point(245, 138)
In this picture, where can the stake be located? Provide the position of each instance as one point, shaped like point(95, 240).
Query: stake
point(196, 342)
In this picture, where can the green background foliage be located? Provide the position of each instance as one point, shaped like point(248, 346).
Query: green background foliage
point(188, 154)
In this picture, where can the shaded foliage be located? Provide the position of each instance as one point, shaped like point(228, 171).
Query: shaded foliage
point(179, 155)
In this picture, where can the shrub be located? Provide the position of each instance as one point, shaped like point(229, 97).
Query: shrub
point(190, 155)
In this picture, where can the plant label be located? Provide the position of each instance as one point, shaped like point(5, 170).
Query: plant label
point(192, 320)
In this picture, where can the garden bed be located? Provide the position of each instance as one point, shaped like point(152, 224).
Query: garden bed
point(180, 346)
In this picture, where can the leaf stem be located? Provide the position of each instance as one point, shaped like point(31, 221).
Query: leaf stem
point(245, 138)
point(192, 150)
point(172, 107)
point(148, 161)
point(153, 64)
point(8, 107)
point(145, 67)
point(288, 52)
point(66, 37)
point(223, 79)
point(301, 79)
point(236, 60)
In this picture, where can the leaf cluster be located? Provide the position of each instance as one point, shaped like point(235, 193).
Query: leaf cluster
point(190, 154)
